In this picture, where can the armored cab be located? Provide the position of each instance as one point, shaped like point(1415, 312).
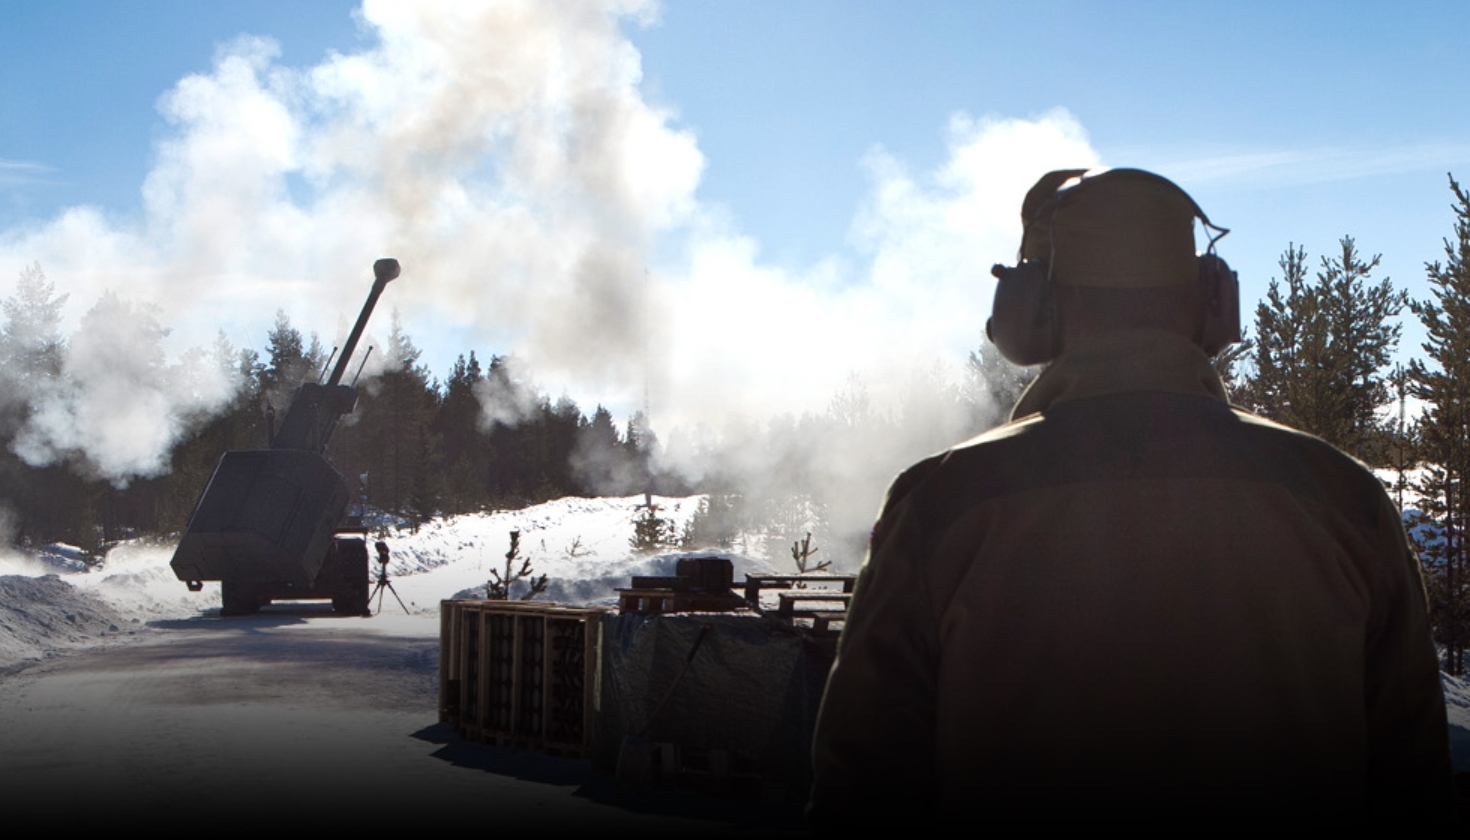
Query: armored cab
point(272, 522)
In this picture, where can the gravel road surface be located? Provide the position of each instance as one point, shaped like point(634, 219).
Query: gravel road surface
point(297, 717)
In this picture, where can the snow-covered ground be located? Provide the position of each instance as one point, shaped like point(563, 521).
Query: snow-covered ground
point(583, 546)
point(51, 601)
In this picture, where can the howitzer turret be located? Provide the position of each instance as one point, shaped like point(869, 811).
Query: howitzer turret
point(267, 525)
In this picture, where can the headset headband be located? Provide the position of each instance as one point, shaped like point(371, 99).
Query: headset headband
point(1065, 185)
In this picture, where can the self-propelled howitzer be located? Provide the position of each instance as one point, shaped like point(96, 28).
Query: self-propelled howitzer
point(271, 523)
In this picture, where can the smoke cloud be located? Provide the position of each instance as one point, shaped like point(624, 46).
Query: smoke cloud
point(919, 290)
point(541, 205)
point(117, 401)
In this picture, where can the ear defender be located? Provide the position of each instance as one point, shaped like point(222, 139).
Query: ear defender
point(1024, 324)
point(1220, 291)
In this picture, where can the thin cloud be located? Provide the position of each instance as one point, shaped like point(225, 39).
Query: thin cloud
point(1297, 167)
point(22, 171)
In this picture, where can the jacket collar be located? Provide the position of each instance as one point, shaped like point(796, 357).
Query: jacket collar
point(1120, 362)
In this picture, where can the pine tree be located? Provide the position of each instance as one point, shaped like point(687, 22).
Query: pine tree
point(50, 502)
point(639, 443)
point(559, 424)
point(1320, 349)
point(1227, 366)
point(1444, 434)
point(509, 474)
point(424, 494)
point(288, 366)
point(31, 344)
point(600, 463)
point(463, 446)
point(717, 521)
point(1363, 337)
point(992, 386)
point(1405, 437)
point(651, 532)
point(391, 439)
point(1292, 369)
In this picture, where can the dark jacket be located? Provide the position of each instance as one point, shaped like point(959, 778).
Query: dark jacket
point(1135, 601)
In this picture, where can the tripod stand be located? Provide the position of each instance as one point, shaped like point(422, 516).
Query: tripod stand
point(383, 582)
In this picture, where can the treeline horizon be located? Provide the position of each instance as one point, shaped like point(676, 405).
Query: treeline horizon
point(417, 446)
point(414, 446)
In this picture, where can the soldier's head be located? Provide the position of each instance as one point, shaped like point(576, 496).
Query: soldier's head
point(1106, 250)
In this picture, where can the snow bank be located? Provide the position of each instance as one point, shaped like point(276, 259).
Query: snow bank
point(39, 615)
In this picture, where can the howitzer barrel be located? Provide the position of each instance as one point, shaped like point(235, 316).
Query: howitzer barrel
point(316, 408)
point(384, 272)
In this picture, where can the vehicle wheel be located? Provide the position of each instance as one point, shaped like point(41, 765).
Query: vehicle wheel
point(238, 598)
point(351, 595)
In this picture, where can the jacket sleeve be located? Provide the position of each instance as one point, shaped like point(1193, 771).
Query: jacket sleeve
point(1408, 740)
point(873, 749)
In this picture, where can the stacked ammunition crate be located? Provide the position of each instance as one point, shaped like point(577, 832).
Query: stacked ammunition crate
point(518, 674)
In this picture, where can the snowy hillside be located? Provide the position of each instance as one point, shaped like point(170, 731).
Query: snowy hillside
point(582, 545)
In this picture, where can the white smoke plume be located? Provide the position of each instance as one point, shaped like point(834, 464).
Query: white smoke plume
point(920, 290)
point(117, 400)
point(501, 151)
point(539, 204)
point(878, 340)
point(509, 399)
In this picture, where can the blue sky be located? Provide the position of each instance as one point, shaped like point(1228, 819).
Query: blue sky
point(1321, 119)
point(786, 98)
point(699, 198)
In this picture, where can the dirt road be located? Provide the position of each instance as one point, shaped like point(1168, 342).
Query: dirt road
point(296, 716)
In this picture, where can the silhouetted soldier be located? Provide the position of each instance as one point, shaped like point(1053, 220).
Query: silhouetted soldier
point(1132, 602)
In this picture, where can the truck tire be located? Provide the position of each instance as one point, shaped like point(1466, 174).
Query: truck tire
point(238, 598)
point(350, 592)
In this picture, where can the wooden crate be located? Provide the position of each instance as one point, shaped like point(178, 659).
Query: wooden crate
point(519, 674)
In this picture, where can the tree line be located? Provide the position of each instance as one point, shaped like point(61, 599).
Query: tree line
point(1318, 358)
point(415, 447)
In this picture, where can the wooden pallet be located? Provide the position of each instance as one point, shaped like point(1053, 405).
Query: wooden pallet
point(818, 608)
point(520, 674)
